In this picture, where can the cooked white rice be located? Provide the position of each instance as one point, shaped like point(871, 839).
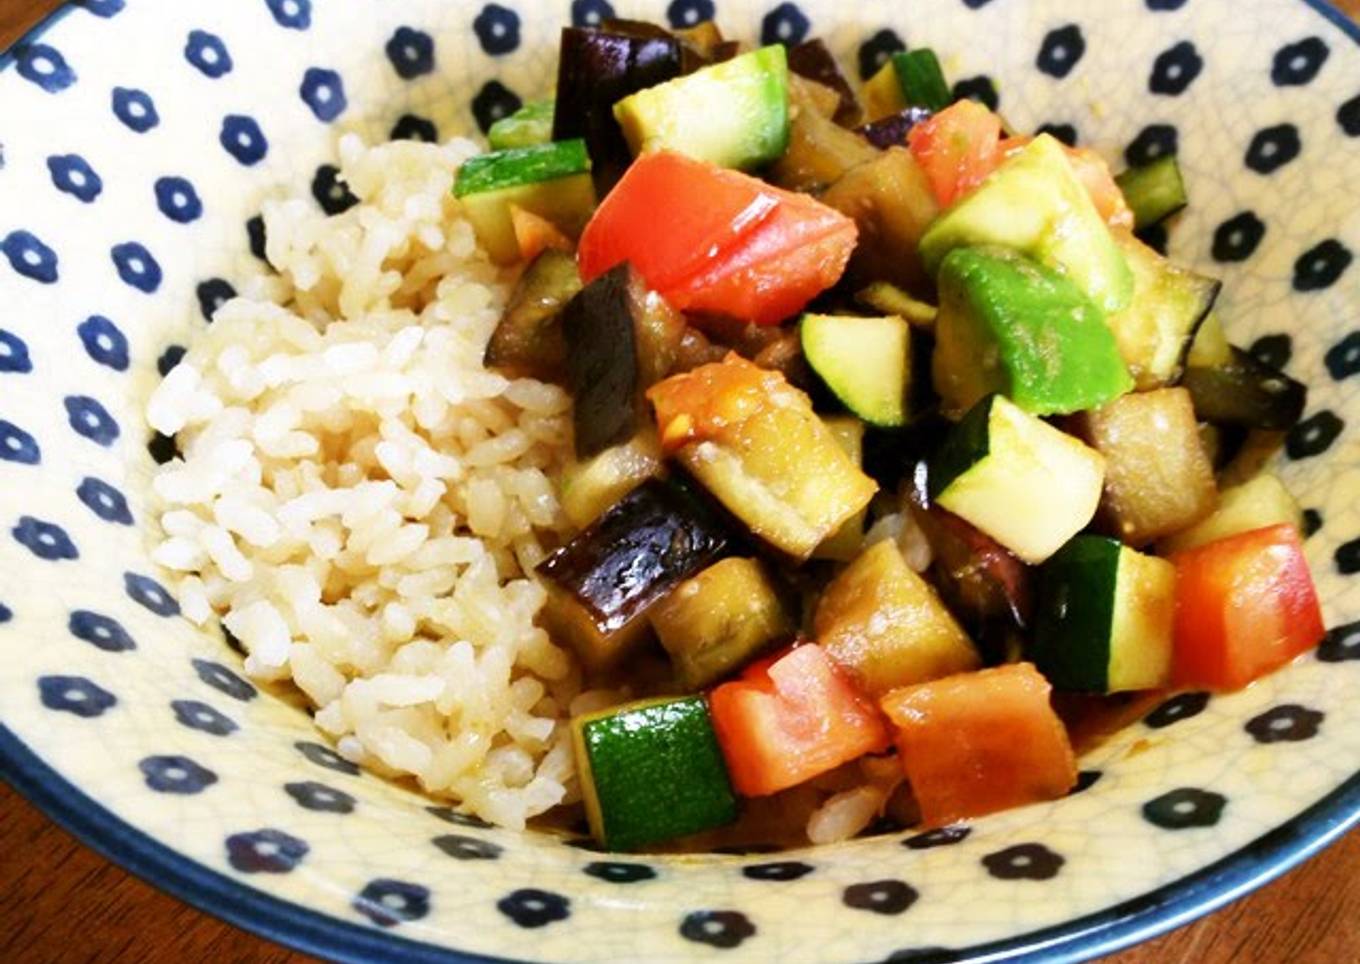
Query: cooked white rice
point(360, 500)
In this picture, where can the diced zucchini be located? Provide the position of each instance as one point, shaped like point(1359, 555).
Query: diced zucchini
point(755, 443)
point(910, 78)
point(1169, 304)
point(820, 151)
point(866, 362)
point(550, 180)
point(1246, 392)
point(1017, 478)
point(720, 620)
point(1256, 504)
point(651, 771)
point(845, 543)
point(591, 487)
point(1158, 479)
point(892, 203)
point(885, 626)
point(1153, 191)
point(812, 60)
point(1105, 617)
point(1010, 325)
point(1035, 204)
point(531, 124)
point(892, 300)
point(602, 584)
point(734, 114)
point(528, 339)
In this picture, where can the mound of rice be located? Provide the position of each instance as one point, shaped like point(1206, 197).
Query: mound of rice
point(360, 500)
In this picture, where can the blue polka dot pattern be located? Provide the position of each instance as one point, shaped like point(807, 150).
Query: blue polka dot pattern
point(311, 795)
point(104, 501)
point(242, 138)
point(292, 14)
point(29, 256)
point(16, 445)
point(324, 756)
point(1272, 148)
point(687, 13)
point(1152, 142)
point(44, 66)
point(1273, 350)
point(75, 695)
point(178, 200)
point(493, 102)
point(103, 8)
point(1347, 557)
point(410, 127)
point(149, 594)
point(1185, 808)
point(1175, 69)
point(1289, 723)
point(1063, 132)
point(100, 631)
point(497, 29)
point(1298, 63)
point(104, 342)
point(980, 88)
point(1342, 644)
point(176, 774)
point(590, 13)
point(1320, 266)
point(1061, 50)
point(212, 295)
point(1180, 707)
point(208, 53)
point(223, 680)
point(91, 420)
point(323, 91)
point(389, 902)
point(1343, 358)
point(1348, 117)
point(1163, 5)
point(411, 53)
point(531, 907)
point(6, 614)
point(457, 818)
point(1314, 435)
point(723, 929)
point(46, 540)
point(72, 174)
point(331, 191)
point(889, 897)
point(785, 24)
point(1238, 237)
point(779, 870)
point(875, 51)
point(1028, 861)
point(14, 357)
point(939, 837)
point(256, 238)
point(169, 358)
point(136, 266)
point(267, 851)
point(161, 448)
point(202, 717)
point(135, 109)
point(462, 847)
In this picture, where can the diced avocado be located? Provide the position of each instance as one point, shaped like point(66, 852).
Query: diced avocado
point(844, 544)
point(1034, 203)
point(1153, 191)
point(885, 626)
point(528, 339)
point(1017, 478)
point(890, 299)
point(734, 114)
point(720, 620)
point(1255, 504)
point(531, 124)
point(866, 362)
point(1010, 325)
point(1105, 617)
point(651, 771)
point(1169, 304)
point(550, 180)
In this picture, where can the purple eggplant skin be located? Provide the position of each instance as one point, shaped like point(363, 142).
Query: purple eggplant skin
point(595, 70)
point(602, 362)
point(891, 131)
point(812, 59)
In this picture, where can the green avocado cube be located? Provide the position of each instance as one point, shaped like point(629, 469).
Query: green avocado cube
point(1011, 326)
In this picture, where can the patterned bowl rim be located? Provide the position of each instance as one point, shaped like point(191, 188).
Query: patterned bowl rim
point(1083, 938)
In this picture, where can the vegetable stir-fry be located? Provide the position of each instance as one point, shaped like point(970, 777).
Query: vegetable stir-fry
point(888, 425)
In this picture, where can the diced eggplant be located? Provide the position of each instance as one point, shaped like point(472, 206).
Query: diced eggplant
point(701, 40)
point(1257, 448)
point(820, 151)
point(727, 50)
point(891, 131)
point(635, 29)
point(1247, 392)
point(528, 340)
point(845, 543)
point(602, 362)
point(695, 349)
point(589, 488)
point(595, 70)
point(602, 584)
point(812, 59)
point(892, 203)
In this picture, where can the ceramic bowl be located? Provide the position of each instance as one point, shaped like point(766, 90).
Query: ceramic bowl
point(139, 137)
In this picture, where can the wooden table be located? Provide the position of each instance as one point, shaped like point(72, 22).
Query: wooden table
point(61, 902)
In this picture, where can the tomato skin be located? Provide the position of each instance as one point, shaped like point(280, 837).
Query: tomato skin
point(713, 240)
point(957, 148)
point(790, 719)
point(1245, 606)
point(980, 742)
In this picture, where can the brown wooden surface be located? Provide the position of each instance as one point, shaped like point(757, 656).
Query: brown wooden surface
point(62, 902)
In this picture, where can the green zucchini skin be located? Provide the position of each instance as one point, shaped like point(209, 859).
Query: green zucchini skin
point(521, 165)
point(1153, 191)
point(1072, 633)
point(921, 79)
point(655, 772)
point(966, 445)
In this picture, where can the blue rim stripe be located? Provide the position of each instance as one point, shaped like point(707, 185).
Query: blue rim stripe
point(1339, 19)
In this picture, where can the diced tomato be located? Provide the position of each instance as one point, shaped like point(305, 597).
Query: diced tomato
point(957, 148)
point(980, 742)
point(713, 240)
point(790, 719)
point(535, 234)
point(1245, 606)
